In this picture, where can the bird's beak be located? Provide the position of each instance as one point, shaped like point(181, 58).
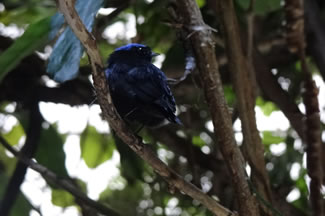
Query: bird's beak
point(153, 54)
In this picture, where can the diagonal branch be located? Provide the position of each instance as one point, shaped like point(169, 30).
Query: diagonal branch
point(271, 88)
point(53, 178)
point(115, 121)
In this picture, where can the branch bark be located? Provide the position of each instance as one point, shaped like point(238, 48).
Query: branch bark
point(296, 40)
point(105, 101)
point(244, 80)
point(200, 37)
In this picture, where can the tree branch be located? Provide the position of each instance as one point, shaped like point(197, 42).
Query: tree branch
point(54, 179)
point(272, 89)
point(315, 43)
point(244, 80)
point(108, 109)
point(294, 11)
point(201, 39)
point(250, 18)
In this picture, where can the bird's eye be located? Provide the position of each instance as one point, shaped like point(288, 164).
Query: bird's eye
point(141, 51)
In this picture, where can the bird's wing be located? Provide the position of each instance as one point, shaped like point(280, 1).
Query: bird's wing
point(150, 86)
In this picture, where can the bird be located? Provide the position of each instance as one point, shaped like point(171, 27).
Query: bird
point(138, 88)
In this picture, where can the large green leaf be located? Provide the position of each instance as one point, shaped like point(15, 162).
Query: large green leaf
point(50, 151)
point(15, 134)
point(34, 37)
point(96, 148)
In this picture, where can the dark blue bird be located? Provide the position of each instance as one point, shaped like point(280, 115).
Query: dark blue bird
point(138, 88)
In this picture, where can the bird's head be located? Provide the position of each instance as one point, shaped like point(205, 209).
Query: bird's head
point(137, 53)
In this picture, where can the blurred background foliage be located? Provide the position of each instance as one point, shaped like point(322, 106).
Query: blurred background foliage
point(26, 41)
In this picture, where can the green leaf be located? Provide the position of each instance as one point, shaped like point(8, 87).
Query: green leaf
point(15, 134)
point(25, 14)
point(230, 94)
point(50, 151)
point(197, 141)
point(62, 198)
point(269, 138)
point(200, 3)
point(266, 106)
point(34, 37)
point(96, 148)
point(261, 7)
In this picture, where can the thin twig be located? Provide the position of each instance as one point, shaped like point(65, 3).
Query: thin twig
point(189, 68)
point(115, 121)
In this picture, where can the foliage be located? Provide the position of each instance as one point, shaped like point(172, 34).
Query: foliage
point(137, 189)
point(33, 38)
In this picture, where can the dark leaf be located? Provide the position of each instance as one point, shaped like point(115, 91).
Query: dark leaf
point(50, 151)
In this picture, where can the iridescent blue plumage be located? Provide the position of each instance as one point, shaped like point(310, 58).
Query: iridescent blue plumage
point(139, 89)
